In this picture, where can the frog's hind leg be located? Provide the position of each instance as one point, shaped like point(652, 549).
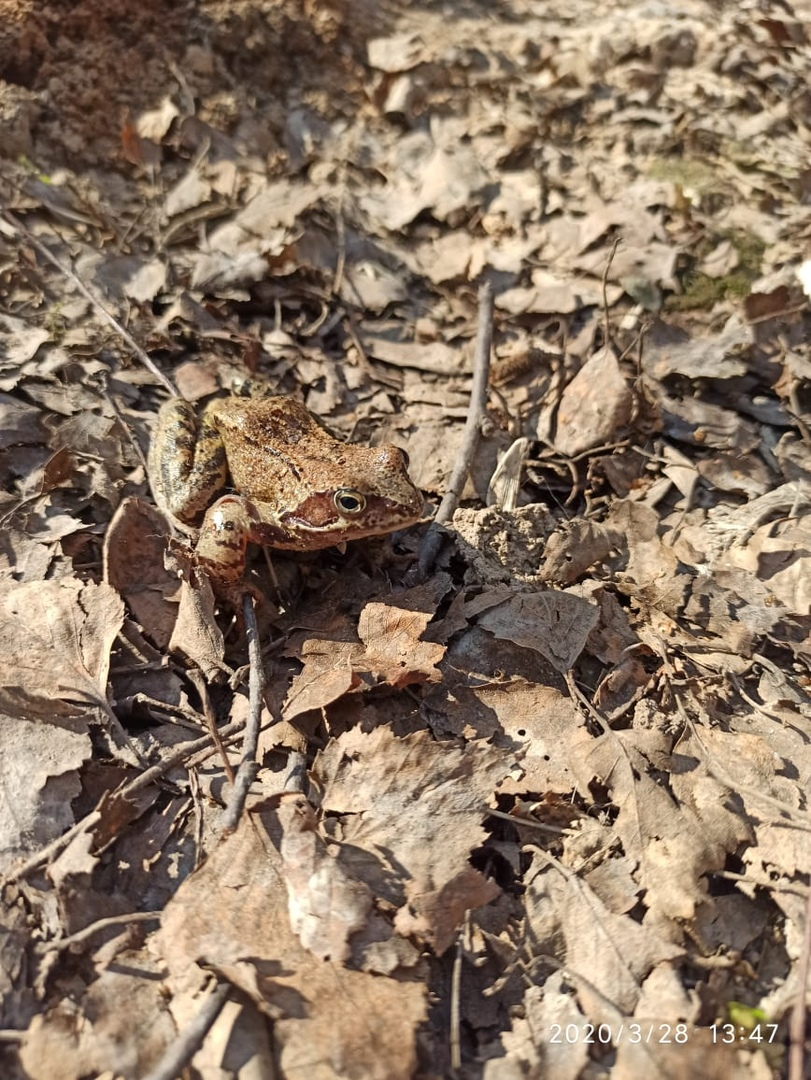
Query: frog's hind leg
point(187, 463)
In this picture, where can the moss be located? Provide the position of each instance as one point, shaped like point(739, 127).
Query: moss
point(686, 172)
point(701, 292)
point(55, 322)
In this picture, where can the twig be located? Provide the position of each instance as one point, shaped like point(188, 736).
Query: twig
point(604, 283)
point(90, 931)
point(528, 823)
point(456, 996)
point(296, 771)
point(190, 1039)
point(796, 1029)
point(764, 882)
point(471, 433)
point(340, 229)
point(29, 237)
point(201, 685)
point(248, 766)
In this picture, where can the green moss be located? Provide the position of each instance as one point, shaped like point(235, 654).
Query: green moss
point(686, 172)
point(55, 322)
point(701, 292)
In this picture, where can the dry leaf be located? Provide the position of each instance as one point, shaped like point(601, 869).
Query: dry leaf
point(595, 406)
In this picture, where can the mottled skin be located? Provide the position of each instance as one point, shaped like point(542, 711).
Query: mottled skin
point(297, 486)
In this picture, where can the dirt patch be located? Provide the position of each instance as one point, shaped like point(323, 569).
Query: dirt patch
point(91, 67)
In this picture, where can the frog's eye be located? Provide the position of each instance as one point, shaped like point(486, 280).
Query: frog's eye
point(349, 501)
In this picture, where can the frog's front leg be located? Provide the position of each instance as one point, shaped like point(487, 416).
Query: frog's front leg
point(224, 535)
point(229, 526)
point(187, 463)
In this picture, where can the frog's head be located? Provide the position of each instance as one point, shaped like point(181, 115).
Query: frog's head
point(372, 501)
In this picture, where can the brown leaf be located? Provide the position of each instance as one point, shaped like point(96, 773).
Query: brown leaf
point(39, 779)
point(233, 914)
point(55, 639)
point(134, 549)
point(421, 801)
point(614, 953)
point(128, 1042)
point(196, 634)
point(595, 406)
point(327, 675)
point(436, 916)
point(555, 624)
point(394, 651)
point(326, 906)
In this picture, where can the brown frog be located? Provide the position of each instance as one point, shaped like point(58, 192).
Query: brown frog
point(296, 486)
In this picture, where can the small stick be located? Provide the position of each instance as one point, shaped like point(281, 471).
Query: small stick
point(90, 931)
point(296, 772)
point(796, 1029)
point(456, 996)
point(190, 1039)
point(29, 237)
point(470, 437)
point(248, 766)
point(606, 316)
point(199, 681)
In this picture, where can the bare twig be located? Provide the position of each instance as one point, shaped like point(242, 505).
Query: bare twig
point(609, 260)
point(190, 1039)
point(248, 766)
point(201, 685)
point(296, 771)
point(470, 436)
point(456, 997)
point(90, 931)
point(66, 272)
point(528, 823)
point(340, 230)
point(796, 1030)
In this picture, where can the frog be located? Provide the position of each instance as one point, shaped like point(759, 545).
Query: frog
point(293, 486)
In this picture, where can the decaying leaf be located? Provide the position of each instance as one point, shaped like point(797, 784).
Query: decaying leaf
point(325, 905)
point(246, 933)
point(595, 406)
point(555, 624)
point(56, 649)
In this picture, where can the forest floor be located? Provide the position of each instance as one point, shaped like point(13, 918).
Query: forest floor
point(555, 818)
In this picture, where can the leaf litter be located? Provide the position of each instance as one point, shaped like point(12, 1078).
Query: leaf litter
point(556, 793)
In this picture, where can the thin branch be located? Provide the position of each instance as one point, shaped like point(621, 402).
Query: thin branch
point(296, 773)
point(248, 766)
point(606, 271)
point(796, 1029)
point(201, 685)
point(527, 823)
point(90, 931)
point(190, 1039)
point(109, 318)
point(470, 436)
point(456, 997)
